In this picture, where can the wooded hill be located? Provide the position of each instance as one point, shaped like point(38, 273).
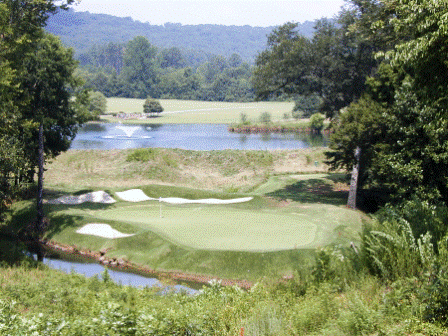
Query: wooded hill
point(83, 30)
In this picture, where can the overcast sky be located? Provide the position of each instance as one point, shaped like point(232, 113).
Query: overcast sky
point(261, 13)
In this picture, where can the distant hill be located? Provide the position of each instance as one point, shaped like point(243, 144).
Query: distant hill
point(83, 30)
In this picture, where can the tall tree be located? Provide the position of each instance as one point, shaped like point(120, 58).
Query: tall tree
point(139, 71)
point(37, 74)
point(333, 65)
point(410, 157)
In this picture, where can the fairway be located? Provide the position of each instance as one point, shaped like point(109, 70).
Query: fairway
point(191, 111)
point(224, 228)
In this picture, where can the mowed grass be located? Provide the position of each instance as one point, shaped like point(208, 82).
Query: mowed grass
point(268, 236)
point(190, 111)
point(218, 227)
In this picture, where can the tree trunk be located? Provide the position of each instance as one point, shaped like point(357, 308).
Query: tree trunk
point(40, 188)
point(351, 203)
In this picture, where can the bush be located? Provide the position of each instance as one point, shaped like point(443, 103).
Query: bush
point(265, 118)
point(97, 104)
point(243, 119)
point(317, 122)
point(151, 107)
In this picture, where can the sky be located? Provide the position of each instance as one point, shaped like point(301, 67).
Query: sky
point(257, 13)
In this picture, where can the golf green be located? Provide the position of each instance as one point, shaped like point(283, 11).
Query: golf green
point(217, 227)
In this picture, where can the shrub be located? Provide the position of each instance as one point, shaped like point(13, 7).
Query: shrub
point(151, 107)
point(265, 118)
point(317, 122)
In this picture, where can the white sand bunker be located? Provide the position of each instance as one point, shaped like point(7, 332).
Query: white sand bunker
point(174, 200)
point(102, 230)
point(93, 197)
point(137, 195)
point(133, 195)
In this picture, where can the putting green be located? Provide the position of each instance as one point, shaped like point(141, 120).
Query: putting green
point(212, 227)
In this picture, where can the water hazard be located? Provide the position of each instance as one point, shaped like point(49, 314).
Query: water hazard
point(123, 278)
point(186, 136)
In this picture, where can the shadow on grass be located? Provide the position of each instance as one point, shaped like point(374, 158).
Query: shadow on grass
point(61, 222)
point(311, 191)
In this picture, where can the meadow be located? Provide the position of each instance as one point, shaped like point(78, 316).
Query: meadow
point(190, 111)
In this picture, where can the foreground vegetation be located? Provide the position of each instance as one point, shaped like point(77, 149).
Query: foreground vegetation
point(47, 302)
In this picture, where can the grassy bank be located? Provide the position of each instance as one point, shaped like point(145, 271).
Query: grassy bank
point(197, 112)
point(228, 170)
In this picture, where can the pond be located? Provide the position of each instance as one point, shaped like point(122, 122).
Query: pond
point(123, 278)
point(186, 136)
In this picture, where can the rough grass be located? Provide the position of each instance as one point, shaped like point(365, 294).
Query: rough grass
point(197, 112)
point(228, 170)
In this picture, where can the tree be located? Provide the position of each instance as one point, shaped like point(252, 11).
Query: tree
point(139, 70)
point(333, 65)
point(152, 107)
point(171, 58)
point(359, 129)
point(305, 106)
point(97, 104)
point(38, 74)
point(20, 31)
point(283, 67)
point(410, 155)
point(317, 122)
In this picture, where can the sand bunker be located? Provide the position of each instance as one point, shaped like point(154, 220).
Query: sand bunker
point(137, 195)
point(174, 200)
point(102, 230)
point(133, 195)
point(93, 197)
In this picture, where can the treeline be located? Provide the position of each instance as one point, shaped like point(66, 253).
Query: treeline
point(83, 30)
point(138, 69)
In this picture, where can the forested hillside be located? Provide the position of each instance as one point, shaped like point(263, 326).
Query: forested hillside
point(82, 31)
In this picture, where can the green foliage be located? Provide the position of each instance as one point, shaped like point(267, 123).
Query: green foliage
point(36, 77)
point(244, 119)
point(152, 106)
point(265, 117)
point(97, 104)
point(139, 68)
point(142, 155)
point(317, 122)
point(328, 72)
point(164, 74)
point(305, 106)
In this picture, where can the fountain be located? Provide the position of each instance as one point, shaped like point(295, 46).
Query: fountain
point(128, 130)
point(129, 133)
